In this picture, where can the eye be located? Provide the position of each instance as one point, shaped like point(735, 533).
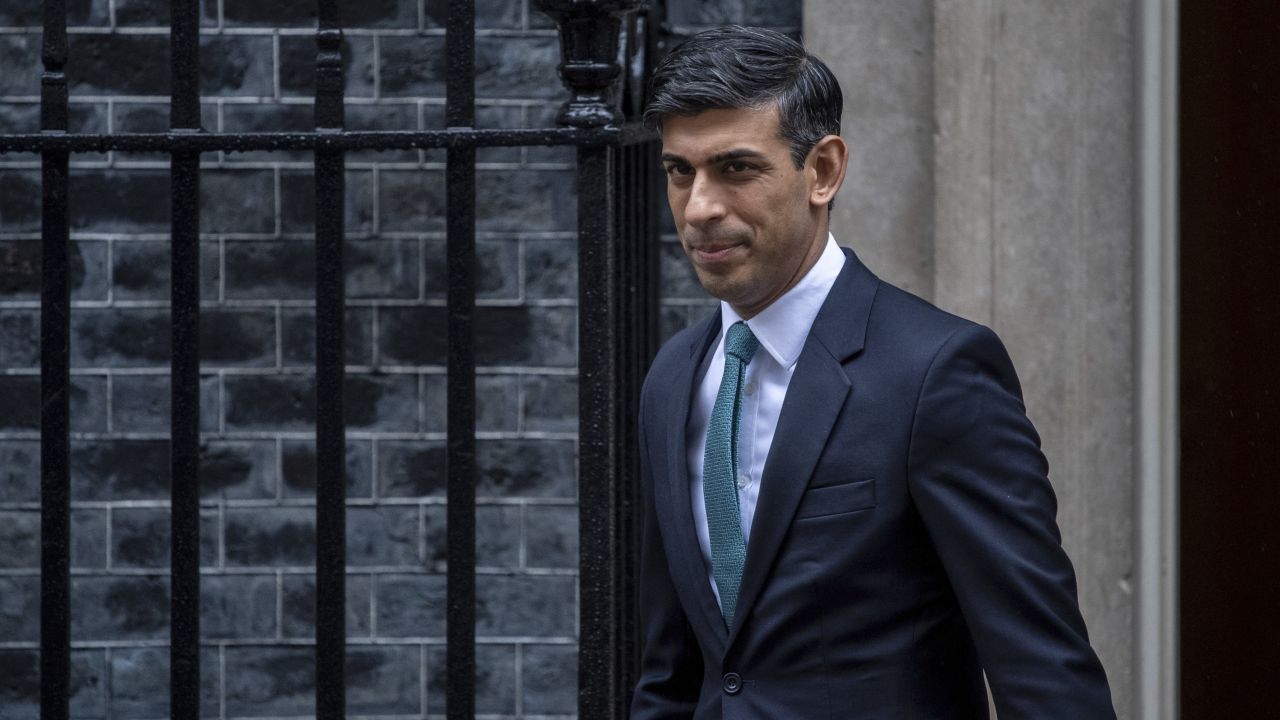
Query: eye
point(736, 166)
point(678, 169)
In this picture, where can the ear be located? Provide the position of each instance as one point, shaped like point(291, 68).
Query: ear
point(825, 166)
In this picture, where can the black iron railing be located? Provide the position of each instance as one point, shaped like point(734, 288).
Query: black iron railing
point(617, 232)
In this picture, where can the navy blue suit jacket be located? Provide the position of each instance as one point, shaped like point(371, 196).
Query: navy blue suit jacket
point(904, 539)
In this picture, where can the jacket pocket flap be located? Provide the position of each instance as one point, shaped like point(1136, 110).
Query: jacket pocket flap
point(836, 499)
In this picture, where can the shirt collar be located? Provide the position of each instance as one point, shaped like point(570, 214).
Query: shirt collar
point(783, 327)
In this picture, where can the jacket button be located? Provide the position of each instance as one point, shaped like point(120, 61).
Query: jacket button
point(732, 683)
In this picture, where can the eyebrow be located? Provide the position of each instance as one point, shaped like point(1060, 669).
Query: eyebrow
point(727, 155)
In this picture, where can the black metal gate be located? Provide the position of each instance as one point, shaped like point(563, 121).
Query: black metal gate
point(605, 45)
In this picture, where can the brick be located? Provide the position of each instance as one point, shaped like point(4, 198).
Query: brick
point(527, 336)
point(525, 605)
point(120, 337)
point(155, 13)
point(79, 13)
point(140, 403)
point(497, 270)
point(20, 198)
point(498, 536)
point(550, 403)
point(298, 202)
point(298, 336)
point(119, 201)
point(20, 684)
point(299, 468)
point(20, 56)
point(19, 470)
point(237, 606)
point(497, 403)
point(270, 269)
point(435, 397)
point(140, 538)
point(412, 66)
point(507, 468)
point(411, 336)
point(149, 117)
point(382, 269)
point(498, 116)
point(384, 680)
point(382, 117)
point(20, 338)
point(498, 14)
point(285, 269)
point(119, 469)
point(210, 539)
point(20, 398)
point(88, 538)
point(140, 682)
point(269, 117)
point(261, 537)
point(20, 269)
point(550, 674)
point(518, 67)
point(678, 278)
point(118, 64)
point(237, 338)
point(141, 269)
point(298, 65)
point(551, 269)
point(411, 200)
point(298, 605)
point(551, 536)
point(410, 605)
point(529, 200)
point(19, 539)
point(265, 680)
point(236, 65)
point(237, 469)
point(280, 403)
point(237, 201)
point(382, 536)
point(20, 608)
point(503, 336)
point(495, 679)
point(411, 468)
point(119, 608)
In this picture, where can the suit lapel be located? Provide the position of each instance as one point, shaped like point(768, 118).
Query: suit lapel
point(818, 391)
point(676, 496)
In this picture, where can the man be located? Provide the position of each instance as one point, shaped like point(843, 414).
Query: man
point(847, 511)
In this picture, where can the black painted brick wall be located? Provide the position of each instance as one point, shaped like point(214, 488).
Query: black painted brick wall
point(257, 407)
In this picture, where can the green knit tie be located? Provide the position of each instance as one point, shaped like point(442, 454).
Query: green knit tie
point(720, 468)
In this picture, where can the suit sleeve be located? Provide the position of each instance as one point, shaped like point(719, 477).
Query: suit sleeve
point(980, 483)
point(670, 661)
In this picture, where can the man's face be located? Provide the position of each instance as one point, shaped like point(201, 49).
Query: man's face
point(741, 207)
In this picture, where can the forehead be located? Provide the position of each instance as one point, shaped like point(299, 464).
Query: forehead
point(710, 132)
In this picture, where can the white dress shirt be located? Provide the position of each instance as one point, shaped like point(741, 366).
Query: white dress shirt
point(781, 329)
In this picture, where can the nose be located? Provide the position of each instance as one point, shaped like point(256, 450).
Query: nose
point(705, 204)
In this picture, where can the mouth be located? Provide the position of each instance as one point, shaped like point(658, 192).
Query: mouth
point(713, 253)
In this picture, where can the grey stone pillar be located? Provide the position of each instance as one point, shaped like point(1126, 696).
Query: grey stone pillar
point(993, 173)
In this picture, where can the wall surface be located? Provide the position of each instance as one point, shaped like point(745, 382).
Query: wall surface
point(993, 173)
point(257, 404)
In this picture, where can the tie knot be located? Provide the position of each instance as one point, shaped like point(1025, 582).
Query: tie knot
point(740, 342)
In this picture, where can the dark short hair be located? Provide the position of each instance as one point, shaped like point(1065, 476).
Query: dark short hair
point(743, 67)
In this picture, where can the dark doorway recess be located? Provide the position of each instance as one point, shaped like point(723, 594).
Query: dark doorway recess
point(1229, 144)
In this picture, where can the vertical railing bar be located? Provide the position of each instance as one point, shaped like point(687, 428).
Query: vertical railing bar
point(460, 655)
point(598, 432)
point(55, 380)
point(330, 166)
point(184, 369)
